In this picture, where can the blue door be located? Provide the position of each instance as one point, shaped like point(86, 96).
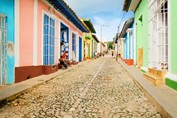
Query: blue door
point(80, 49)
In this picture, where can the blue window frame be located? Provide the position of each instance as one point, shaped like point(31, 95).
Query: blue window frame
point(74, 43)
point(49, 40)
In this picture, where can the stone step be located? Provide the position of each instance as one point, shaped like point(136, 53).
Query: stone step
point(154, 79)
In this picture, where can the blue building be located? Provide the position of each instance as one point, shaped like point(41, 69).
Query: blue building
point(128, 44)
point(7, 35)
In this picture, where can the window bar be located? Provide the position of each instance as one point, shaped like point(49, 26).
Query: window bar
point(158, 46)
point(164, 38)
point(48, 43)
point(5, 38)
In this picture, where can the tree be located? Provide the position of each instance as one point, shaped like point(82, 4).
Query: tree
point(110, 45)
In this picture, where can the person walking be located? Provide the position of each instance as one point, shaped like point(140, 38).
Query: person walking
point(112, 53)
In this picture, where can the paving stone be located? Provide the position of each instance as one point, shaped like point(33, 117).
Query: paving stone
point(112, 94)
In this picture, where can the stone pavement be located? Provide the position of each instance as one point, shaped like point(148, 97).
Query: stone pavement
point(12, 91)
point(163, 97)
point(100, 88)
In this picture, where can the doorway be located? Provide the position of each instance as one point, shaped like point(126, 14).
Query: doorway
point(64, 40)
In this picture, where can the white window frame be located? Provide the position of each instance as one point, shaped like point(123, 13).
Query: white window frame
point(76, 45)
point(158, 34)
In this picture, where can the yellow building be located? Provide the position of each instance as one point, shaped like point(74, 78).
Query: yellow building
point(88, 40)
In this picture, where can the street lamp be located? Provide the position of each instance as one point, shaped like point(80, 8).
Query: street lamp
point(101, 26)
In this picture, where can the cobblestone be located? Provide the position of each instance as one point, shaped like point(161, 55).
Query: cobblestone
point(84, 92)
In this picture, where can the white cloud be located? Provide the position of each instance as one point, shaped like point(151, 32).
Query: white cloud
point(93, 6)
point(101, 12)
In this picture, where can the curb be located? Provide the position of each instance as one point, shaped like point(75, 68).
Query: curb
point(164, 113)
point(5, 100)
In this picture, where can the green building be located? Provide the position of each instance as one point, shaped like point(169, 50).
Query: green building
point(95, 45)
point(155, 24)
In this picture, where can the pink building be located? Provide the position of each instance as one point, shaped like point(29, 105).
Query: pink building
point(44, 29)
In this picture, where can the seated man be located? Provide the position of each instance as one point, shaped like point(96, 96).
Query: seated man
point(63, 60)
point(62, 63)
point(64, 55)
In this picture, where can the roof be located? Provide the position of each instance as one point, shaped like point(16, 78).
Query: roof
point(127, 24)
point(130, 5)
point(89, 24)
point(126, 5)
point(62, 7)
point(94, 36)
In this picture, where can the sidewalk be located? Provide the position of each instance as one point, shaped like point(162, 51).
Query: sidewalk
point(10, 92)
point(163, 97)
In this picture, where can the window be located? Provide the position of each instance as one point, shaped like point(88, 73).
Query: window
point(84, 49)
point(141, 19)
point(74, 46)
point(95, 46)
point(64, 40)
point(49, 39)
point(158, 34)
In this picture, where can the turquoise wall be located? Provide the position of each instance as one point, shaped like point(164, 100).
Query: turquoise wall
point(173, 36)
point(142, 30)
point(7, 8)
point(127, 36)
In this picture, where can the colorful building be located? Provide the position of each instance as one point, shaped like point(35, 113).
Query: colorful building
point(105, 48)
point(128, 42)
point(95, 44)
point(88, 40)
point(7, 40)
point(156, 25)
point(38, 33)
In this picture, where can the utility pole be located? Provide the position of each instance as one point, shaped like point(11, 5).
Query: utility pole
point(117, 38)
point(101, 37)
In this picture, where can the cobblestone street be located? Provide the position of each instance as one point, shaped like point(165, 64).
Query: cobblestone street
point(98, 88)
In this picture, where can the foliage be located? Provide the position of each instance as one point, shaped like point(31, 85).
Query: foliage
point(110, 45)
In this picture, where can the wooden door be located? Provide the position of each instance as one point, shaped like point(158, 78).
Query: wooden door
point(140, 57)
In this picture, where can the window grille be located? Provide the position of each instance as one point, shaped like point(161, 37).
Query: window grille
point(3, 49)
point(95, 46)
point(49, 40)
point(74, 46)
point(158, 34)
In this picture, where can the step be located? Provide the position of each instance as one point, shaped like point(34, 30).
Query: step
point(154, 79)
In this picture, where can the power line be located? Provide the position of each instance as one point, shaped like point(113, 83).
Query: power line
point(121, 21)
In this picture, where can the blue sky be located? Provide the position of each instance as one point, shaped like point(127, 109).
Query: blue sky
point(101, 12)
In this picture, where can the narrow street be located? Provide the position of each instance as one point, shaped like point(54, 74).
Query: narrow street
point(98, 88)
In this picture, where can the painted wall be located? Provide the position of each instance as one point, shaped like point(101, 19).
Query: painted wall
point(83, 41)
point(27, 50)
point(88, 42)
point(126, 46)
point(142, 30)
point(7, 8)
point(173, 37)
point(94, 48)
point(26, 32)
